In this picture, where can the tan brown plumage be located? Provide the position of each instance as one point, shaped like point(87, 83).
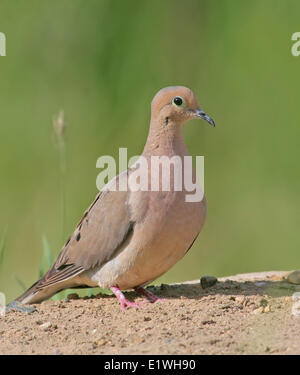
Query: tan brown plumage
point(126, 239)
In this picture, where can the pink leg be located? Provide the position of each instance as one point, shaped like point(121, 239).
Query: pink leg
point(122, 299)
point(150, 296)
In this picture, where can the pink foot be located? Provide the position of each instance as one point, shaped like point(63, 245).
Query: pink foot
point(150, 296)
point(123, 300)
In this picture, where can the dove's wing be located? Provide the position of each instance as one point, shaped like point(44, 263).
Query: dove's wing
point(103, 228)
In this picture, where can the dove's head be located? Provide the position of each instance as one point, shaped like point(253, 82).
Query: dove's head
point(176, 105)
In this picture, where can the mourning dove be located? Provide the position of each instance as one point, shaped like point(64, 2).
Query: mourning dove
point(127, 239)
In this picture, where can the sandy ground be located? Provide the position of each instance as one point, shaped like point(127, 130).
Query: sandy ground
point(244, 314)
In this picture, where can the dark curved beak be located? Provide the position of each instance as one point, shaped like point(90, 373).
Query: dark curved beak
point(201, 114)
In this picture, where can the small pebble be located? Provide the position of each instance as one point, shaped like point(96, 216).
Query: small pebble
point(208, 281)
point(46, 326)
point(72, 296)
point(260, 310)
point(101, 342)
point(294, 277)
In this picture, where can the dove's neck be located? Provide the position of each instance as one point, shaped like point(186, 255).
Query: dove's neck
point(165, 139)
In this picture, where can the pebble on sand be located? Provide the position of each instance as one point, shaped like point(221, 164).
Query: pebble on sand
point(294, 277)
point(46, 326)
point(260, 310)
point(72, 296)
point(208, 281)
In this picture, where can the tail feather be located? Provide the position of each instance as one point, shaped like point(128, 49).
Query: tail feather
point(53, 282)
point(36, 295)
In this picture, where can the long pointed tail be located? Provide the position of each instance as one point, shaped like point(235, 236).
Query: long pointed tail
point(51, 283)
point(34, 294)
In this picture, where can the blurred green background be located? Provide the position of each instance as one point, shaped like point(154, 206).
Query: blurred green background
point(102, 61)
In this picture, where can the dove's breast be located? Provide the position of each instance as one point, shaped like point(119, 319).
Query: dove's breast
point(159, 240)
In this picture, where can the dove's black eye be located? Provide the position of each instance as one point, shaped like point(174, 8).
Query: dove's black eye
point(178, 101)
